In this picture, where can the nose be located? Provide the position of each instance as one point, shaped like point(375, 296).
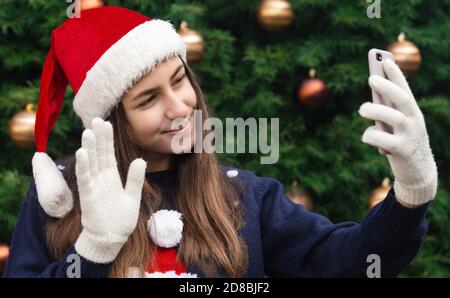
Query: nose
point(176, 107)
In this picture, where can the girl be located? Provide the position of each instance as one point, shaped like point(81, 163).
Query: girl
point(128, 205)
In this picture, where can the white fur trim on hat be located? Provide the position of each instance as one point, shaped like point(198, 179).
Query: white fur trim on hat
point(134, 55)
point(165, 228)
point(53, 193)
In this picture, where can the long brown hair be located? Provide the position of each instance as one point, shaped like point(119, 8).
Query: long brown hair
point(207, 198)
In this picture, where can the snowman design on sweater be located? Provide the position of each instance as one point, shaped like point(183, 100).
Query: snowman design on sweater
point(165, 228)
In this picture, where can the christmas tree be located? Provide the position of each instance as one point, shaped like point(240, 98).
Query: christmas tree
point(249, 71)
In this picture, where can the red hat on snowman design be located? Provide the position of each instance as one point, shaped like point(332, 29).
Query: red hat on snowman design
point(165, 228)
point(101, 55)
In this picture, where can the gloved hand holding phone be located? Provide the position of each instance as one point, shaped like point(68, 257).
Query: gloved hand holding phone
point(407, 146)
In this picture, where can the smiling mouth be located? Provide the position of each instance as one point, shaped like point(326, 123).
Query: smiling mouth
point(174, 130)
point(181, 128)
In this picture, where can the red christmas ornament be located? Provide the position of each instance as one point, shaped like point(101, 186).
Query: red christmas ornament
point(4, 253)
point(299, 196)
point(88, 4)
point(313, 92)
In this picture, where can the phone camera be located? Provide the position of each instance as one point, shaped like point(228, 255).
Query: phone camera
point(379, 57)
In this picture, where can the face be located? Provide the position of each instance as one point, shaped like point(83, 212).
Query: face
point(152, 105)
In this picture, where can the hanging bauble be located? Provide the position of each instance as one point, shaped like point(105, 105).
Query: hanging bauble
point(275, 15)
point(88, 4)
point(299, 196)
point(406, 55)
point(4, 253)
point(379, 193)
point(21, 127)
point(312, 92)
point(194, 41)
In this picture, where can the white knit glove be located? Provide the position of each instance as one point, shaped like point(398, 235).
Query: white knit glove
point(410, 157)
point(109, 212)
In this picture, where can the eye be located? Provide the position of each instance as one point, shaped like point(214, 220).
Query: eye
point(180, 79)
point(147, 101)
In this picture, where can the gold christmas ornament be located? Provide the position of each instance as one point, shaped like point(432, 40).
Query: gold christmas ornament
point(275, 15)
point(406, 54)
point(4, 253)
point(379, 193)
point(312, 92)
point(21, 127)
point(194, 42)
point(298, 196)
point(88, 4)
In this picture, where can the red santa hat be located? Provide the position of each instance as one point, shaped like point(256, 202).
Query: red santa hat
point(100, 54)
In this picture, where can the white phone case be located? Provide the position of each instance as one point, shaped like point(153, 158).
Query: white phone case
point(375, 57)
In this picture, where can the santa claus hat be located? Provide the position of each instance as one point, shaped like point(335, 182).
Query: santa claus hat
point(101, 55)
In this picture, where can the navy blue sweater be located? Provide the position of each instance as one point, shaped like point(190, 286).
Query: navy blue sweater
point(283, 238)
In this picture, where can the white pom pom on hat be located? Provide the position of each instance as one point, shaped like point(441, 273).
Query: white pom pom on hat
point(53, 192)
point(165, 228)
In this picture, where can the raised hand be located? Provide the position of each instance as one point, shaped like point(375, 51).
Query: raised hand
point(109, 211)
point(411, 158)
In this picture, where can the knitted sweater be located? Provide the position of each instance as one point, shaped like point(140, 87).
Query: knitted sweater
point(283, 238)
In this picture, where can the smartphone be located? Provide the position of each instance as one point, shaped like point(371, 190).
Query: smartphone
point(376, 57)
